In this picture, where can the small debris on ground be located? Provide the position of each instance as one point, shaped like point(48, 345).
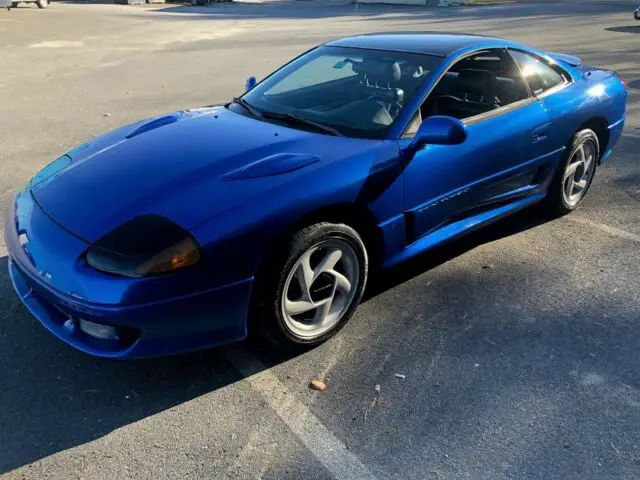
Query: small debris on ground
point(106, 114)
point(399, 375)
point(487, 267)
point(373, 404)
point(377, 388)
point(318, 385)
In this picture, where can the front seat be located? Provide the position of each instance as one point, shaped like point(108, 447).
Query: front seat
point(380, 99)
point(380, 80)
point(474, 94)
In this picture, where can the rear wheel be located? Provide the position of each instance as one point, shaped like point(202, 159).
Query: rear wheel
point(573, 179)
point(42, 3)
point(315, 287)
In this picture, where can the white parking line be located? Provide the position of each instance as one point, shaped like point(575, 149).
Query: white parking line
point(328, 450)
point(6, 20)
point(616, 232)
point(56, 44)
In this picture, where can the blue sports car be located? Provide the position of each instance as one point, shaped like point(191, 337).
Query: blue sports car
point(268, 213)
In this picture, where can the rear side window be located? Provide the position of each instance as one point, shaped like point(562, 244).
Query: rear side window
point(538, 74)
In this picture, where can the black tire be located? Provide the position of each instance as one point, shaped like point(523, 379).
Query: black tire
point(42, 3)
point(14, 4)
point(555, 204)
point(267, 316)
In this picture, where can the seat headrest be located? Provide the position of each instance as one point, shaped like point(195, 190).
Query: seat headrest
point(476, 81)
point(382, 72)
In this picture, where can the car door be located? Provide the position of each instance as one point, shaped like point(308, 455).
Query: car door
point(497, 163)
point(549, 83)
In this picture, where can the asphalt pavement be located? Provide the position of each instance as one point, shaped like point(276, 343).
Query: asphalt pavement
point(518, 346)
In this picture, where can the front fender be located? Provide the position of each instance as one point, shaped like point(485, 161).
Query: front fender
point(236, 241)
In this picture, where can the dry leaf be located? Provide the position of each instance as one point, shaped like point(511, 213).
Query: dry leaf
point(318, 385)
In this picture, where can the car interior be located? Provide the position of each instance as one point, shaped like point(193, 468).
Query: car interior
point(476, 85)
point(473, 86)
point(368, 93)
point(369, 98)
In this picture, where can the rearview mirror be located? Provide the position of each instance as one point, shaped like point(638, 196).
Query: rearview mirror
point(250, 83)
point(439, 130)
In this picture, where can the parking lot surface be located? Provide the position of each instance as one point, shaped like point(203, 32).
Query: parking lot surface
point(519, 344)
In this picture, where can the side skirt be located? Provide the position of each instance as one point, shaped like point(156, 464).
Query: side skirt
point(455, 229)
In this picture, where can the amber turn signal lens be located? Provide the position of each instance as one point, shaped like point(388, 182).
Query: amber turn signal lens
point(183, 254)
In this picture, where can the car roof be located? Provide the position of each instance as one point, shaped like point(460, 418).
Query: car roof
point(431, 43)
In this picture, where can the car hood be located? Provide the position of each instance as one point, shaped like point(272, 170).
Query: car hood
point(188, 166)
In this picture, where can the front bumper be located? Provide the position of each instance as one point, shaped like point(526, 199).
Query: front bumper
point(42, 270)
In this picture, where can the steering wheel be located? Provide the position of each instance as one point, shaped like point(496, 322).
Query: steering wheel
point(383, 98)
point(394, 105)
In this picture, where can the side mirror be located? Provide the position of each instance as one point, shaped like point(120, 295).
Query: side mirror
point(439, 130)
point(250, 83)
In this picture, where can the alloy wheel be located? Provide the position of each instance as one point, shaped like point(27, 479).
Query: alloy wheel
point(320, 288)
point(578, 173)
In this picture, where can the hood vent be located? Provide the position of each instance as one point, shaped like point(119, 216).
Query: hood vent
point(272, 165)
point(155, 123)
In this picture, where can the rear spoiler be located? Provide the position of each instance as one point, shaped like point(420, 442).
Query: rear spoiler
point(566, 58)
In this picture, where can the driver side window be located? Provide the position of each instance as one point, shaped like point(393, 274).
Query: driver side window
point(476, 85)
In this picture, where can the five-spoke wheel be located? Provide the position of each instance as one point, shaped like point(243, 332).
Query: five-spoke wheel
point(320, 287)
point(575, 174)
point(317, 285)
point(578, 172)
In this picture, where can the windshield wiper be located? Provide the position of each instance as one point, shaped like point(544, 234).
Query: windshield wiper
point(289, 117)
point(248, 107)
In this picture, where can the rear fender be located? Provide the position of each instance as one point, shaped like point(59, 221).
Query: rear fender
point(596, 94)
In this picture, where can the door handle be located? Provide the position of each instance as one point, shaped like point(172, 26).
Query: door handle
point(540, 133)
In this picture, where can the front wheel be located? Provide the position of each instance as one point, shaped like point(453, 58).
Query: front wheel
point(315, 287)
point(42, 3)
point(571, 182)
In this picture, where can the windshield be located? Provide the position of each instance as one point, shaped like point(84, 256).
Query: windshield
point(355, 92)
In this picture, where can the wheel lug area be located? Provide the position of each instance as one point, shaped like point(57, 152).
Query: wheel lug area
point(322, 287)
